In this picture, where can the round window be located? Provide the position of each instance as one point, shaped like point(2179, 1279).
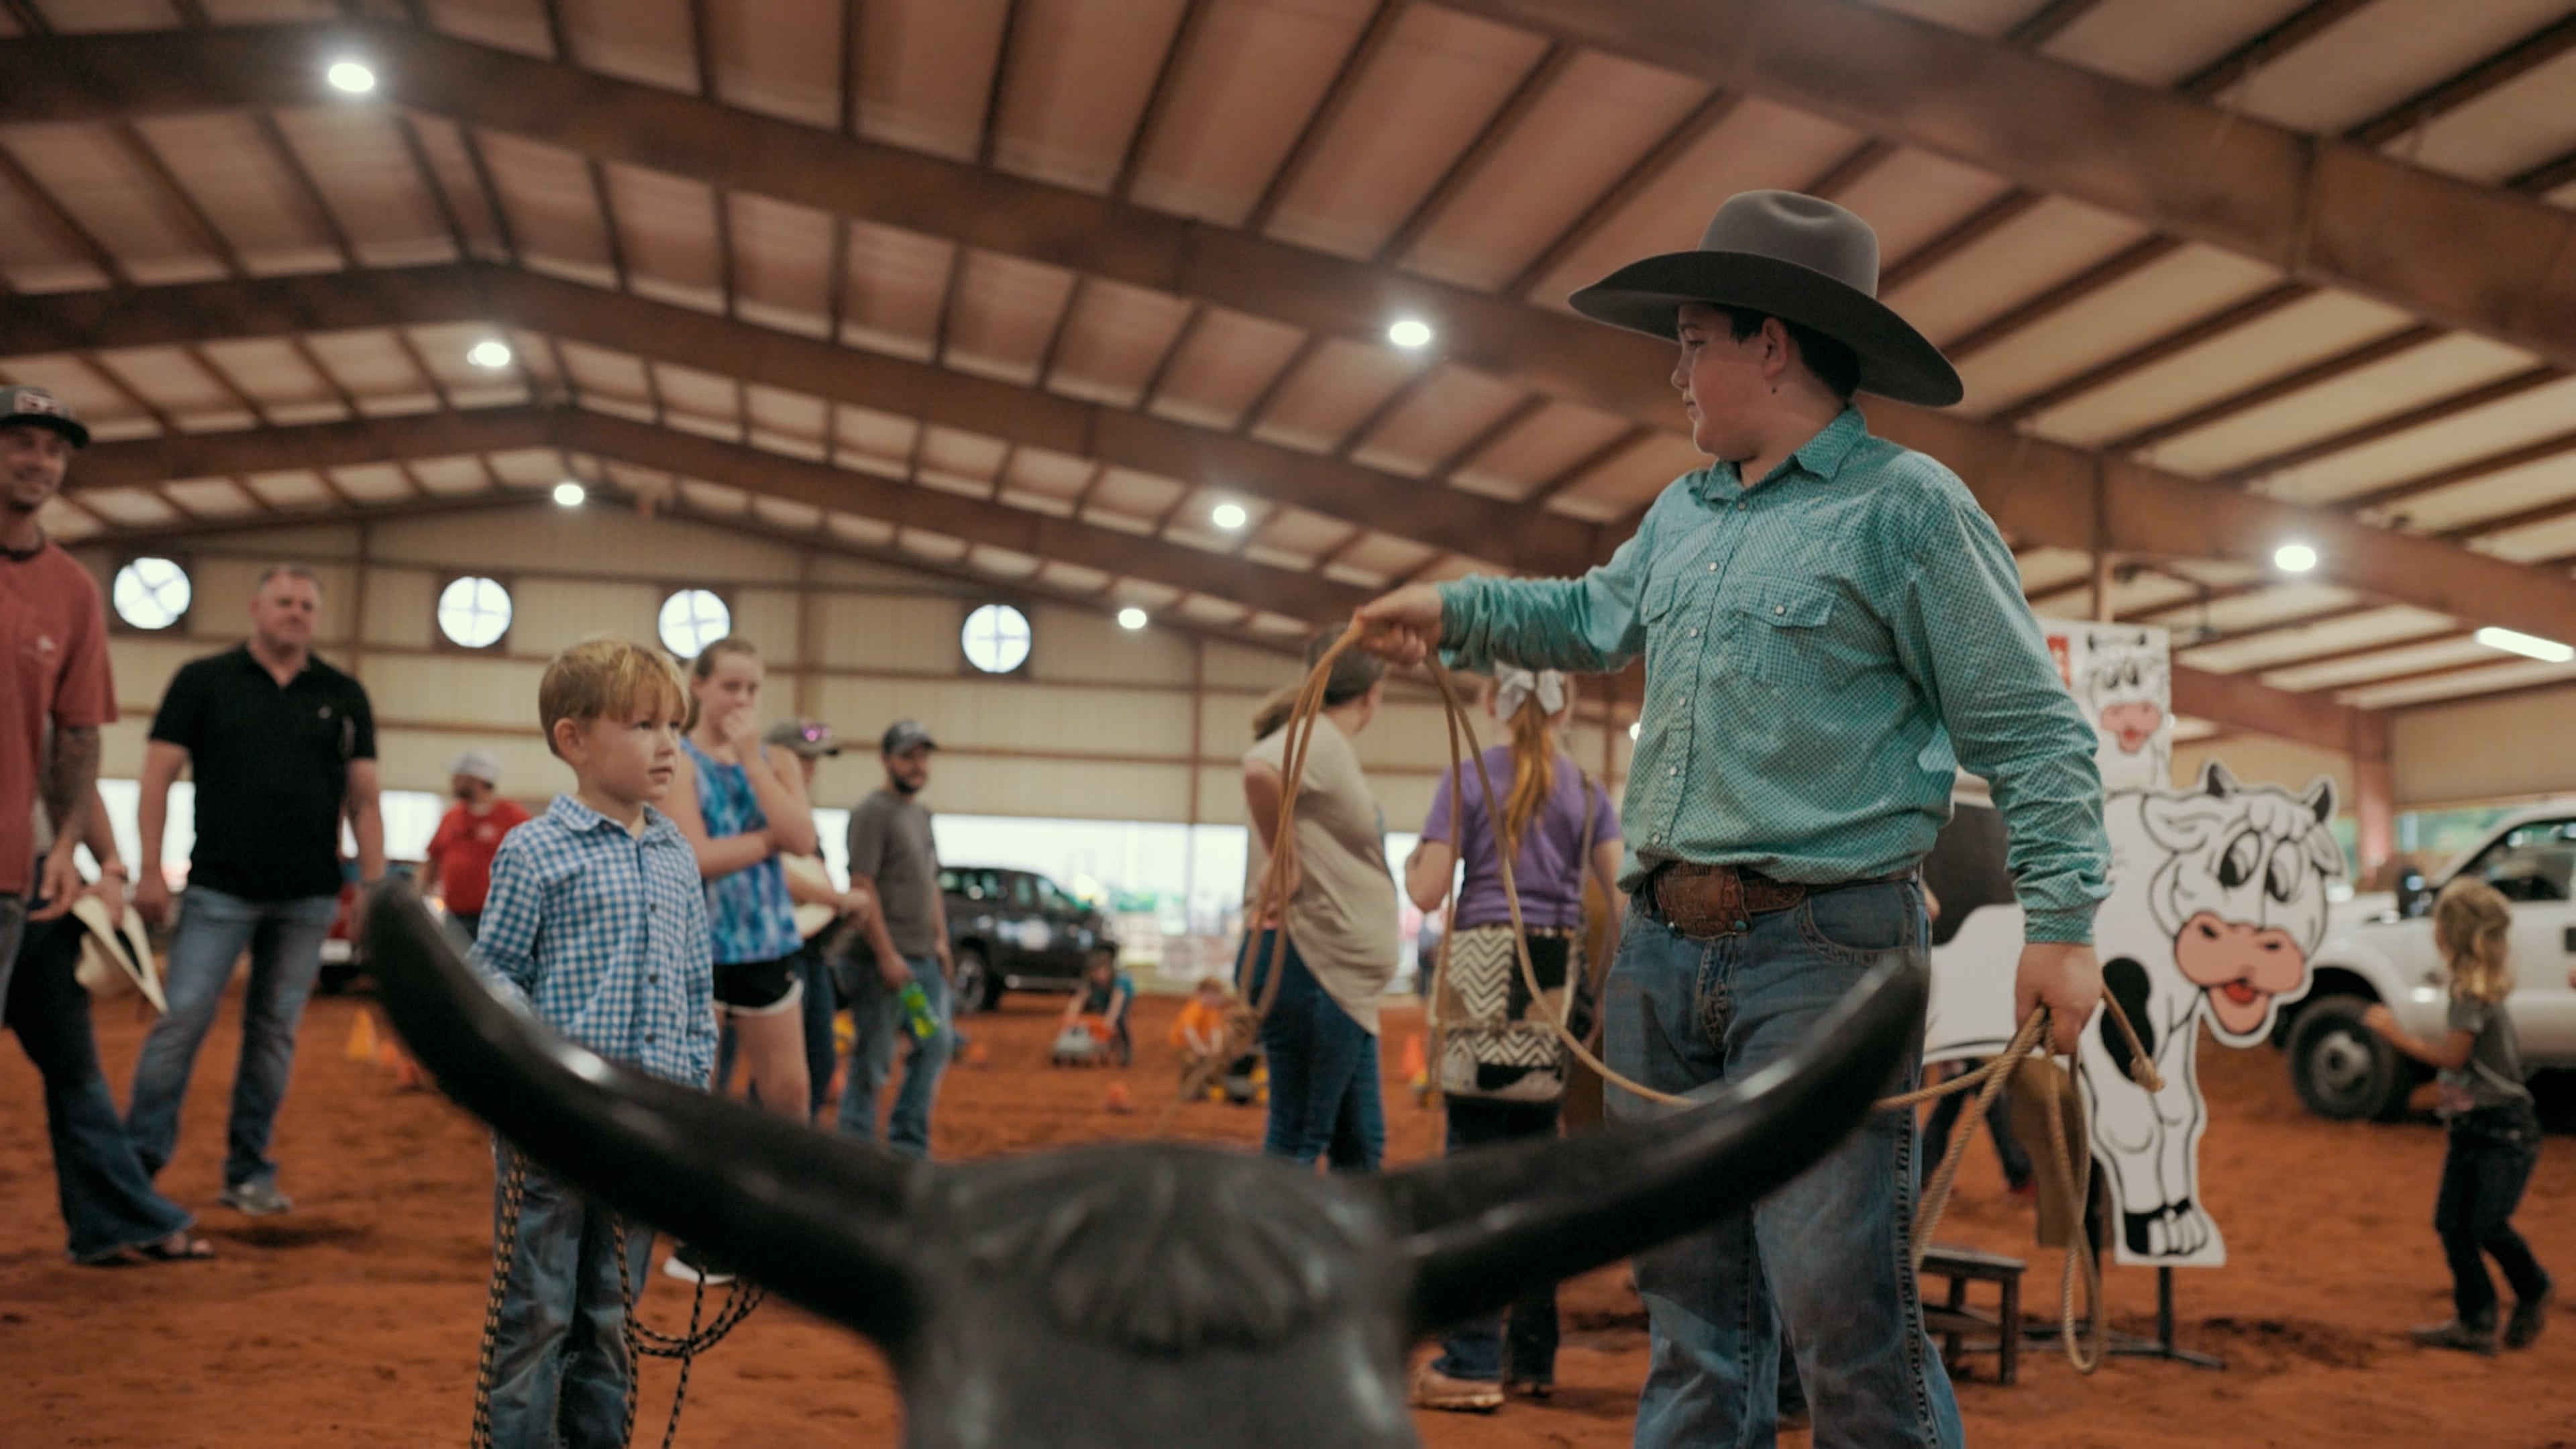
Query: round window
point(996, 638)
point(151, 593)
point(692, 619)
point(474, 612)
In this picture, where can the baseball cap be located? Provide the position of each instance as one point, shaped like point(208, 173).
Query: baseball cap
point(808, 737)
point(902, 735)
point(478, 763)
point(37, 406)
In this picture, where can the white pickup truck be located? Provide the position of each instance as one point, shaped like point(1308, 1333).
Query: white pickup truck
point(2379, 948)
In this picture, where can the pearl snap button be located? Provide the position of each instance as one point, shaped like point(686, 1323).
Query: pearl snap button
point(1779, 608)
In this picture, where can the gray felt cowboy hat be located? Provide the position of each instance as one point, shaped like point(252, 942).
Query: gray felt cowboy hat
point(1799, 258)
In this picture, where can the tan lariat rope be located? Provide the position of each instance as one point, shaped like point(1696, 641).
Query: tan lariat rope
point(1269, 903)
point(641, 1342)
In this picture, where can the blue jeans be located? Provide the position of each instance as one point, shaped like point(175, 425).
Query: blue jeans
point(1323, 1068)
point(2489, 1161)
point(285, 943)
point(1475, 1350)
point(819, 1003)
point(13, 921)
point(877, 1014)
point(559, 1369)
point(1822, 1258)
point(106, 1196)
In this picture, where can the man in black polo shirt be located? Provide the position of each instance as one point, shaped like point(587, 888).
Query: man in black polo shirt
point(282, 744)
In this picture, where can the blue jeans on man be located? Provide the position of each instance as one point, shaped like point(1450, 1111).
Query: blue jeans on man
point(284, 939)
point(877, 1014)
point(560, 1375)
point(1479, 1351)
point(1824, 1258)
point(1324, 1098)
point(107, 1198)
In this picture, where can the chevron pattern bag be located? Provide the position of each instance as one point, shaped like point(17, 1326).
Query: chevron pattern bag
point(1494, 1044)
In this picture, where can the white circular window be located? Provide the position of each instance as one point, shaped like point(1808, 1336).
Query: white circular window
point(151, 593)
point(692, 619)
point(996, 638)
point(474, 612)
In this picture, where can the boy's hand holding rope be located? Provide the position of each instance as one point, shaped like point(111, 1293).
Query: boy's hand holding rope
point(1268, 909)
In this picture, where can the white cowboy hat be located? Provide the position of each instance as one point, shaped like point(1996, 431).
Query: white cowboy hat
point(116, 957)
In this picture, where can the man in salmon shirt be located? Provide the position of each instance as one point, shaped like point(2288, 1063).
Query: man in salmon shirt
point(55, 635)
point(460, 854)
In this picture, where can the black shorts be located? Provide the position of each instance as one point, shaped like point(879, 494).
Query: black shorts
point(758, 988)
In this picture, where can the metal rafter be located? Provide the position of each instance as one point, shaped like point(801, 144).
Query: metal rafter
point(1337, 96)
point(1644, 172)
point(1497, 132)
point(1004, 52)
point(2272, 389)
point(1158, 99)
point(2439, 408)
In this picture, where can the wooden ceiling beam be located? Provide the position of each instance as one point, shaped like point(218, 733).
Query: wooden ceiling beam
point(2241, 702)
point(762, 474)
point(2468, 256)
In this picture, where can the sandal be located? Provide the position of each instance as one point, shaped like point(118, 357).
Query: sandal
point(179, 1247)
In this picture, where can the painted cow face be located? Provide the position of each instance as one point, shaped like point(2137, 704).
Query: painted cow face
point(2243, 892)
point(2124, 688)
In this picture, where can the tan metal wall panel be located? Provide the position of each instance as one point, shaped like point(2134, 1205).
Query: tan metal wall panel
point(550, 614)
point(1083, 644)
point(589, 540)
point(2491, 749)
point(2257, 759)
point(891, 632)
point(418, 760)
point(221, 586)
point(402, 607)
point(452, 689)
point(767, 617)
point(143, 664)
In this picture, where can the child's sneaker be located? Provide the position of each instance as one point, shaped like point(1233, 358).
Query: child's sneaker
point(2529, 1315)
point(1433, 1389)
point(2455, 1334)
point(689, 1266)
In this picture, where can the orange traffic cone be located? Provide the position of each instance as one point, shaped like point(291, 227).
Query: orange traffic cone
point(363, 1041)
point(1119, 1101)
point(1414, 1068)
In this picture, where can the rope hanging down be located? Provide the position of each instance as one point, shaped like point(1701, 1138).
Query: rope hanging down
point(641, 1342)
point(1269, 904)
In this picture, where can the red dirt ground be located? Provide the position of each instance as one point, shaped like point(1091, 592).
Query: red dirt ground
point(355, 1319)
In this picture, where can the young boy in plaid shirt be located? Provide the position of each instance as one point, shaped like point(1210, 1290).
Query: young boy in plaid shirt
point(597, 919)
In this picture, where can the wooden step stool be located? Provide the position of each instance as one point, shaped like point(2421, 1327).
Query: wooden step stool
point(1952, 1317)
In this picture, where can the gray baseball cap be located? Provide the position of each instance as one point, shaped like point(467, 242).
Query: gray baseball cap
point(36, 406)
point(902, 735)
point(808, 737)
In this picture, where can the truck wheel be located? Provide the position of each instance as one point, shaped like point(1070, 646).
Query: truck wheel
point(977, 988)
point(2341, 1068)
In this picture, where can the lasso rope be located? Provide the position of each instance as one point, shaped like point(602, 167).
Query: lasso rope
point(1269, 904)
point(641, 1342)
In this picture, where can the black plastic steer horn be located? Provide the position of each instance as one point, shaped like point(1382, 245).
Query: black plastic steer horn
point(1140, 1294)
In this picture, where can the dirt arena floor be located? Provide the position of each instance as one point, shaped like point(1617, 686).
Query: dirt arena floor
point(355, 1319)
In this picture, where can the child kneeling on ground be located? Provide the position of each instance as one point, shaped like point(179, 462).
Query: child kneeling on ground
point(1208, 1067)
point(2495, 1131)
point(1099, 1012)
point(597, 919)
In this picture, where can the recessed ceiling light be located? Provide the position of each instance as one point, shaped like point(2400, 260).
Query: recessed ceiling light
point(350, 76)
point(1131, 617)
point(1409, 332)
point(489, 354)
point(570, 494)
point(2294, 558)
point(1228, 516)
point(2531, 646)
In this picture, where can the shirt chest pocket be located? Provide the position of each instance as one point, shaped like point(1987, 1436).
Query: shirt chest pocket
point(1783, 632)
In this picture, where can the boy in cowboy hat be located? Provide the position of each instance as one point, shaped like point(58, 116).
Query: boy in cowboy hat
point(1831, 628)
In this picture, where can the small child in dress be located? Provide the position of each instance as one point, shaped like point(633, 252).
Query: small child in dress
point(2495, 1132)
point(595, 917)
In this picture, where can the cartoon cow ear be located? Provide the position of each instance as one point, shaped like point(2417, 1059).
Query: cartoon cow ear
point(2321, 798)
point(2215, 782)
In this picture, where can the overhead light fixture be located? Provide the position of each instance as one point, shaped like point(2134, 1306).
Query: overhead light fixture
point(1409, 332)
point(1131, 617)
point(1636, 727)
point(570, 494)
point(1228, 516)
point(350, 76)
point(2530, 646)
point(489, 353)
point(2294, 558)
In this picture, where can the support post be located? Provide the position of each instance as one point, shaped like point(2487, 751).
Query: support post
point(2373, 798)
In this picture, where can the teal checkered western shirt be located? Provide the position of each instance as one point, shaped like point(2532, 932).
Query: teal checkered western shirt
point(1824, 650)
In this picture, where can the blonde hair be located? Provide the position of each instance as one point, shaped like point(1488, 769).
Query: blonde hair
point(2470, 920)
point(1533, 731)
point(598, 678)
point(704, 667)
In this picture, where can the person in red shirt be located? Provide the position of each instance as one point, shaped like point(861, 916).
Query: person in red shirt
point(55, 637)
point(460, 854)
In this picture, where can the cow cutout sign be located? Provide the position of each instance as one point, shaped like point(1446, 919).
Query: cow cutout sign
point(2218, 902)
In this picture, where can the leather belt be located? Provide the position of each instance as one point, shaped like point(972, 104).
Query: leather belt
point(1705, 901)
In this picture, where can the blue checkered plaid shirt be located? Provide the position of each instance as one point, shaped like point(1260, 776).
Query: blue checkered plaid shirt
point(605, 935)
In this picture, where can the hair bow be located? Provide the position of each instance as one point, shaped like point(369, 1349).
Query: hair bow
point(1514, 687)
